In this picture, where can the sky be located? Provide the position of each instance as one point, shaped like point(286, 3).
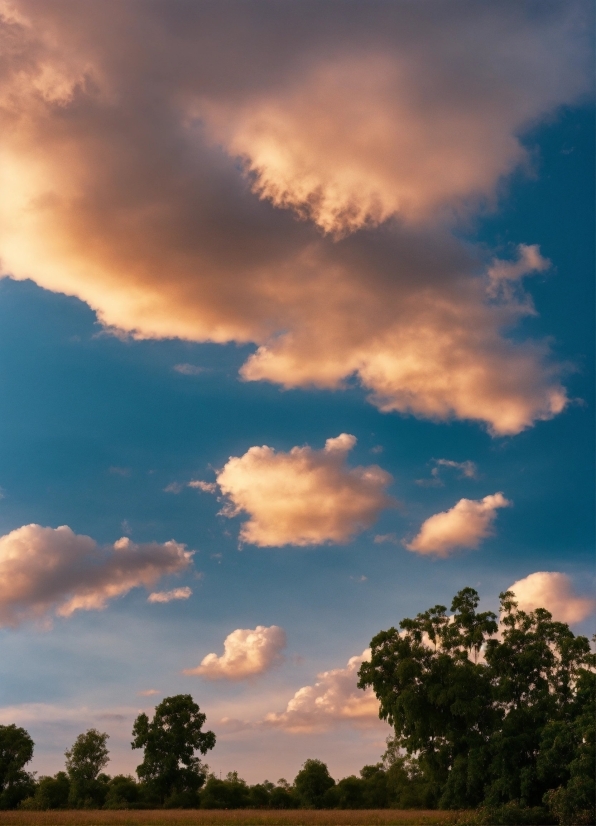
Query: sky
point(296, 340)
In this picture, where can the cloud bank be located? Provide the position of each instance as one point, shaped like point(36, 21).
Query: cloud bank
point(400, 114)
point(46, 571)
point(247, 653)
point(332, 700)
point(465, 525)
point(554, 591)
point(304, 497)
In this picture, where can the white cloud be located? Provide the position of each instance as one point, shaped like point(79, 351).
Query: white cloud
point(304, 497)
point(333, 699)
point(149, 692)
point(168, 596)
point(465, 525)
point(247, 653)
point(554, 591)
point(46, 571)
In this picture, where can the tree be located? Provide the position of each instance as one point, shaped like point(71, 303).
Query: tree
point(312, 783)
point(16, 750)
point(84, 762)
point(472, 711)
point(170, 740)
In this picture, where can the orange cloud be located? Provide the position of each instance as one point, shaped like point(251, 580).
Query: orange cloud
point(169, 596)
point(247, 653)
point(304, 497)
point(151, 222)
point(333, 699)
point(554, 591)
point(465, 525)
point(46, 571)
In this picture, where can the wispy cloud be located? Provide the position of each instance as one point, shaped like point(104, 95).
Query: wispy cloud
point(169, 596)
point(465, 470)
point(189, 369)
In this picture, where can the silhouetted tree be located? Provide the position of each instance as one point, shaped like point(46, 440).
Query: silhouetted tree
point(16, 750)
point(481, 717)
point(84, 762)
point(170, 768)
point(312, 784)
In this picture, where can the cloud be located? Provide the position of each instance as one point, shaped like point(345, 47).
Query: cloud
point(466, 470)
point(304, 497)
point(46, 571)
point(348, 120)
point(149, 692)
point(554, 591)
point(189, 369)
point(174, 487)
point(206, 487)
point(502, 275)
point(465, 525)
point(332, 700)
point(168, 596)
point(247, 653)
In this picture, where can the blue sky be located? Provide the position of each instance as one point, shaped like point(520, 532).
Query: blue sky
point(96, 424)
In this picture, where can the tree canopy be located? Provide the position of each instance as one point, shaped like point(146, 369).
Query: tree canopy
point(16, 750)
point(170, 741)
point(491, 713)
point(84, 762)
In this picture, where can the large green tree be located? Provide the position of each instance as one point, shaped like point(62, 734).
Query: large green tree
point(84, 761)
point(479, 711)
point(16, 750)
point(170, 768)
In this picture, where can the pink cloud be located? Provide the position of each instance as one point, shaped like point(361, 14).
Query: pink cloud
point(46, 571)
point(247, 653)
point(465, 525)
point(169, 596)
point(333, 699)
point(554, 591)
point(346, 134)
point(304, 497)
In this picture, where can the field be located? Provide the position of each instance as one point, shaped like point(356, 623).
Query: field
point(238, 817)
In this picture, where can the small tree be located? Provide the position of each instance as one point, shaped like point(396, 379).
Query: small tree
point(170, 740)
point(16, 750)
point(84, 762)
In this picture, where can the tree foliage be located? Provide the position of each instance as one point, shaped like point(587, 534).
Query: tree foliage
point(84, 761)
point(170, 768)
point(16, 750)
point(488, 718)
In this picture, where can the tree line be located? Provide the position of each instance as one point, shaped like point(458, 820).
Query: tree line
point(494, 717)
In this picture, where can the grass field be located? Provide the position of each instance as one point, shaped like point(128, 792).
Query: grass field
point(237, 817)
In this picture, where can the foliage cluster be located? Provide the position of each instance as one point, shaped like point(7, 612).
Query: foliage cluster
point(493, 716)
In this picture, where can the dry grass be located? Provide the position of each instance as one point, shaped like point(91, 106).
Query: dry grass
point(238, 817)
